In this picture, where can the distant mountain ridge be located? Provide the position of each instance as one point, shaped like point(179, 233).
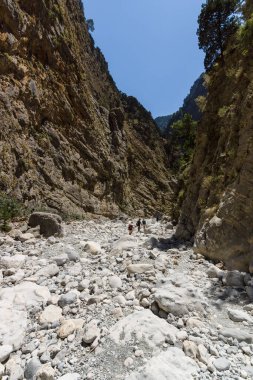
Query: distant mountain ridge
point(189, 106)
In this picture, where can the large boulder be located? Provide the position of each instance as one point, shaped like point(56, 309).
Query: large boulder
point(50, 224)
point(169, 365)
point(178, 296)
point(143, 326)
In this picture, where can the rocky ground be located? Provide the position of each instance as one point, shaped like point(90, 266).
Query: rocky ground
point(100, 304)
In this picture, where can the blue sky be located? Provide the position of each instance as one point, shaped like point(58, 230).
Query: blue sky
point(151, 47)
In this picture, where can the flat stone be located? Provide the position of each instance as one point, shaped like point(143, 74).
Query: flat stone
point(5, 352)
point(26, 294)
point(221, 364)
point(169, 365)
point(70, 376)
point(178, 297)
point(238, 334)
point(238, 315)
point(125, 243)
point(140, 268)
point(145, 327)
point(50, 314)
point(25, 237)
point(48, 271)
point(16, 261)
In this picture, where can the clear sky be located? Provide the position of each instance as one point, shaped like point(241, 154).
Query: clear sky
point(151, 47)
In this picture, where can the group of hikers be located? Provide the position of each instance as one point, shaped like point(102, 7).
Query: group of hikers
point(139, 223)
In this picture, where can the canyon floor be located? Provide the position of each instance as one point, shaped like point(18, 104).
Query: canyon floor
point(100, 304)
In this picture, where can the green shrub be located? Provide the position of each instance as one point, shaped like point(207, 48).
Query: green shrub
point(9, 209)
point(245, 33)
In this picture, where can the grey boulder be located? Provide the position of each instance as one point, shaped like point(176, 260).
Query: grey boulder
point(50, 224)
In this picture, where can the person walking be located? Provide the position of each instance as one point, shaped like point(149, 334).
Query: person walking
point(130, 228)
point(138, 224)
point(144, 225)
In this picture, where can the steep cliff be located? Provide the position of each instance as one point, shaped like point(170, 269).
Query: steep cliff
point(69, 140)
point(218, 208)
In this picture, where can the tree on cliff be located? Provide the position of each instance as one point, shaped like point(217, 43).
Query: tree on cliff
point(218, 21)
point(90, 25)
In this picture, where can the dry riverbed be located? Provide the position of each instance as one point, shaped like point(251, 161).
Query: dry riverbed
point(100, 304)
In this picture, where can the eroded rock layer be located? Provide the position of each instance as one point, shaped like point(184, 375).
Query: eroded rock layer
point(68, 138)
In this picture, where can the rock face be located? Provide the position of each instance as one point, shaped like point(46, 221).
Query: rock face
point(218, 208)
point(70, 140)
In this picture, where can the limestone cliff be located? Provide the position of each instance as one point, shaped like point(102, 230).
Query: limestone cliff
point(69, 140)
point(218, 208)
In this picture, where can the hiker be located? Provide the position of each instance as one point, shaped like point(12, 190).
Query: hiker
point(138, 224)
point(144, 225)
point(130, 228)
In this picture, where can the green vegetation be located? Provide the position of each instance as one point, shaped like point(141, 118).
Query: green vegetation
point(246, 33)
point(182, 144)
point(9, 209)
point(183, 141)
point(218, 21)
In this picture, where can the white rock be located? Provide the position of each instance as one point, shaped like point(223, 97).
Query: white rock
point(221, 364)
point(203, 354)
point(1, 370)
point(48, 271)
point(5, 352)
point(50, 314)
point(16, 261)
point(70, 376)
point(66, 329)
point(194, 322)
point(169, 365)
point(190, 349)
point(26, 294)
point(130, 295)
point(128, 362)
point(91, 332)
point(238, 334)
point(143, 326)
point(13, 324)
point(25, 237)
point(140, 268)
point(115, 282)
point(145, 302)
point(214, 272)
point(61, 260)
point(182, 335)
point(178, 296)
point(125, 243)
point(45, 372)
point(120, 300)
point(91, 247)
point(238, 315)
